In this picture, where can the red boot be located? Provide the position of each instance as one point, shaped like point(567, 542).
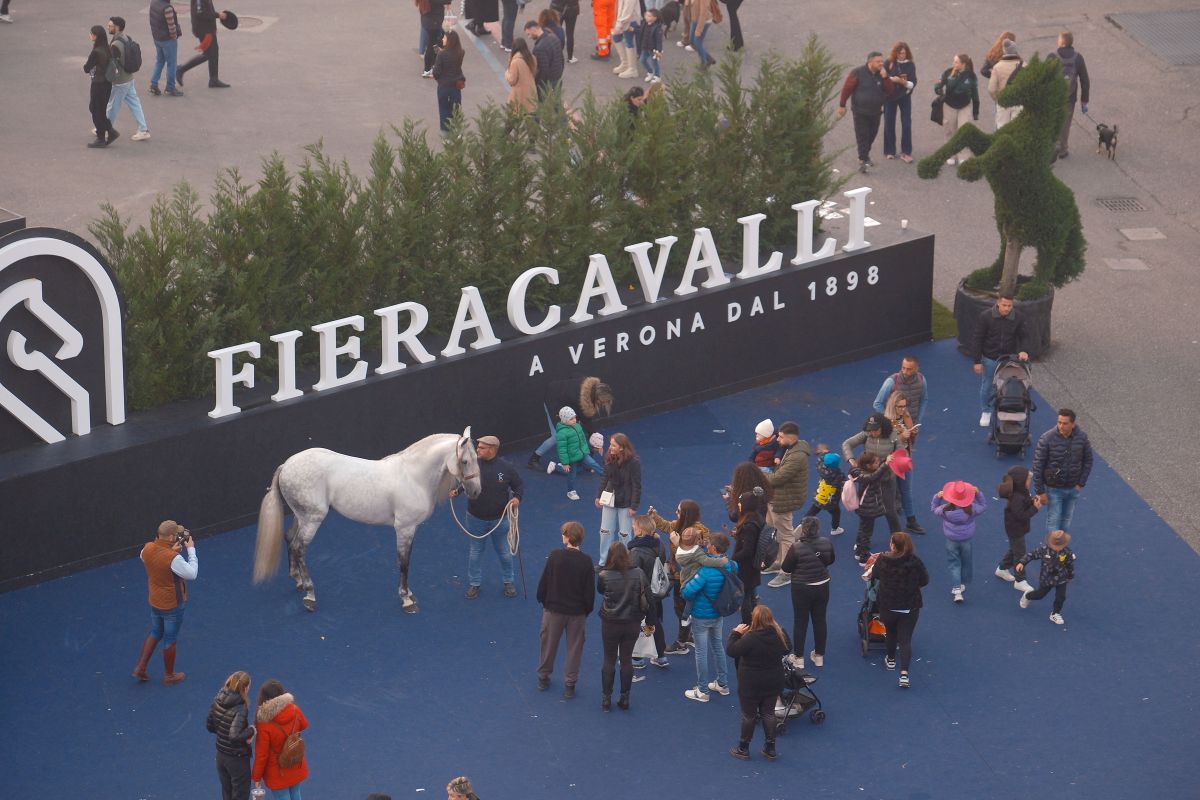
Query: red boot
point(148, 646)
point(169, 666)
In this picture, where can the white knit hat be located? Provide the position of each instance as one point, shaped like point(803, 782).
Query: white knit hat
point(765, 429)
point(565, 413)
point(596, 440)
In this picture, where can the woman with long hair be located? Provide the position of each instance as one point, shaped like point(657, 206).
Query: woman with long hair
point(625, 602)
point(900, 574)
point(995, 53)
point(520, 74)
point(758, 647)
point(277, 717)
point(619, 492)
point(97, 67)
point(752, 509)
point(746, 476)
point(808, 563)
point(901, 65)
point(228, 718)
point(959, 87)
point(905, 428)
point(447, 71)
point(687, 515)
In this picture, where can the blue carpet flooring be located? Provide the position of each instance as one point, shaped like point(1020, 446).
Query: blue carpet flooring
point(1004, 704)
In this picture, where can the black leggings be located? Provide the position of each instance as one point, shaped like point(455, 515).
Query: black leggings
point(735, 29)
point(749, 601)
point(1014, 553)
point(433, 39)
point(835, 512)
point(900, 628)
point(212, 55)
point(752, 709)
point(569, 26)
point(619, 637)
point(98, 105)
point(1060, 595)
point(809, 601)
point(866, 527)
point(654, 617)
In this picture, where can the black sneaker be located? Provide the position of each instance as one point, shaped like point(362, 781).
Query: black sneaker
point(768, 751)
point(889, 662)
point(534, 462)
point(98, 143)
point(154, 90)
point(740, 753)
point(174, 93)
point(915, 527)
point(216, 84)
point(112, 136)
point(510, 590)
point(676, 649)
point(543, 684)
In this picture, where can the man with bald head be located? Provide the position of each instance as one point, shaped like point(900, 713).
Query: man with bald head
point(167, 569)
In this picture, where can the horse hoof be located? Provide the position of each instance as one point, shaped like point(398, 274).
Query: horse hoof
point(411, 609)
point(310, 604)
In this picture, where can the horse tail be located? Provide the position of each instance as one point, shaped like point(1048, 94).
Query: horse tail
point(270, 532)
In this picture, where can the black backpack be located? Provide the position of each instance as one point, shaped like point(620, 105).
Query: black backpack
point(767, 549)
point(131, 55)
point(729, 600)
point(1070, 70)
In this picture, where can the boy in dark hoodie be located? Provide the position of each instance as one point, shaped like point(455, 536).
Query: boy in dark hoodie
point(1020, 510)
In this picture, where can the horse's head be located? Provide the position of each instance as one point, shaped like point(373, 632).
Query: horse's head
point(466, 466)
point(1039, 87)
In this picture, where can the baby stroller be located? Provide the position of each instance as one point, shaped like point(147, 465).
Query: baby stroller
point(871, 629)
point(1011, 409)
point(797, 696)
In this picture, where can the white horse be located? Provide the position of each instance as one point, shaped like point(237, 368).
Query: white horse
point(399, 490)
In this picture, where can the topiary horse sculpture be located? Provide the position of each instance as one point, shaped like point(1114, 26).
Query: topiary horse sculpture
point(1033, 207)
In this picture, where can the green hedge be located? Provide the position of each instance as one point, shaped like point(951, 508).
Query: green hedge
point(501, 195)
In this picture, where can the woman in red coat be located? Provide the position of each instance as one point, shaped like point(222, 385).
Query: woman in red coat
point(277, 717)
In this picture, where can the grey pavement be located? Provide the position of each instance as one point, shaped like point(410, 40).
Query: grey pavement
point(1126, 351)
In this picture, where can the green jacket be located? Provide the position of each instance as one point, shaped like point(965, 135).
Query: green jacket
point(790, 480)
point(572, 442)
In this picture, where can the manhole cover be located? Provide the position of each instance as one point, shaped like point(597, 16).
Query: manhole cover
point(1121, 204)
point(249, 22)
point(1173, 36)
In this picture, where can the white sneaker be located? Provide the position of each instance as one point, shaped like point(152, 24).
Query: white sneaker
point(572, 60)
point(1005, 575)
point(550, 468)
point(427, 73)
point(638, 678)
point(695, 694)
point(572, 495)
point(816, 658)
point(689, 48)
point(957, 594)
point(1022, 586)
point(655, 80)
point(782, 579)
point(985, 419)
point(719, 689)
point(796, 661)
point(679, 43)
point(1024, 601)
point(837, 531)
point(649, 77)
point(769, 571)
point(6, 18)
point(140, 136)
point(1057, 619)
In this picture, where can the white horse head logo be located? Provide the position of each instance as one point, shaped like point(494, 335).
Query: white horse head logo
point(28, 292)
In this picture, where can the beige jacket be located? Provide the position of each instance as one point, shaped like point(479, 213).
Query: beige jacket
point(523, 95)
point(627, 14)
point(701, 11)
point(1001, 72)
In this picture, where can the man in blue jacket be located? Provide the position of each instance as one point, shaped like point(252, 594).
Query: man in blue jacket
point(1062, 463)
point(702, 590)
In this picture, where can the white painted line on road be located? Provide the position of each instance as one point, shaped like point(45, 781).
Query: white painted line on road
point(486, 52)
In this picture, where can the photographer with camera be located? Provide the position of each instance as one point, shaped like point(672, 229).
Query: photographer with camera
point(166, 571)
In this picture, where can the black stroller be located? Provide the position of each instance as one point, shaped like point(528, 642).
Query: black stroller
point(871, 629)
point(798, 696)
point(1013, 406)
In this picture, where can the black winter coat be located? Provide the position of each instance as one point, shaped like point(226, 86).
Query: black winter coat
point(1017, 514)
point(759, 656)
point(995, 336)
point(900, 581)
point(548, 51)
point(227, 719)
point(808, 560)
point(877, 491)
point(624, 593)
point(164, 23)
point(204, 18)
point(1061, 463)
point(746, 543)
point(624, 481)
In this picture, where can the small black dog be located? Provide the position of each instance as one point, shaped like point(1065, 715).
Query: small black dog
point(1108, 140)
point(669, 15)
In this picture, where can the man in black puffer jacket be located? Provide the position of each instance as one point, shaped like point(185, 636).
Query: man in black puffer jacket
point(999, 331)
point(807, 562)
point(1062, 463)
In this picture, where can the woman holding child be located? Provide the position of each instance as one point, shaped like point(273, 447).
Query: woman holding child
point(687, 515)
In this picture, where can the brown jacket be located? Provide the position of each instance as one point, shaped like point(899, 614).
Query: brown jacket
point(157, 557)
point(701, 11)
point(523, 95)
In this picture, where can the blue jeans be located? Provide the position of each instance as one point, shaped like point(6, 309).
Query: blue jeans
point(904, 106)
point(290, 793)
point(710, 644)
point(987, 392)
point(448, 100)
point(697, 41)
point(906, 495)
point(1062, 507)
point(629, 38)
point(165, 625)
point(165, 53)
point(588, 462)
point(650, 63)
point(499, 540)
point(127, 94)
point(958, 558)
point(611, 519)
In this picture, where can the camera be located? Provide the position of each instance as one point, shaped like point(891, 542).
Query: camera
point(182, 537)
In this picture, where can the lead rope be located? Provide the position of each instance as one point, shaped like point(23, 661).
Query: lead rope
point(512, 513)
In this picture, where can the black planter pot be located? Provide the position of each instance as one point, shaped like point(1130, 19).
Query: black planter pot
point(968, 305)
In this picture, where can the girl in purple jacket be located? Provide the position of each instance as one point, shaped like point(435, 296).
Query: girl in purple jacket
point(958, 504)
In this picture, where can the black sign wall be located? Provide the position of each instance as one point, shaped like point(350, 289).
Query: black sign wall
point(97, 498)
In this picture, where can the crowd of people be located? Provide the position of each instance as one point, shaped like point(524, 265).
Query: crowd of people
point(882, 90)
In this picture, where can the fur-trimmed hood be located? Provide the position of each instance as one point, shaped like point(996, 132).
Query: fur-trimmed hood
point(588, 405)
point(271, 709)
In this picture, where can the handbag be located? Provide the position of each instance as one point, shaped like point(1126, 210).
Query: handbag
point(607, 499)
point(292, 752)
point(716, 12)
point(937, 110)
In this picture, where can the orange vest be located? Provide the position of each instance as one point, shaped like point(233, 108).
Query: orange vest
point(157, 557)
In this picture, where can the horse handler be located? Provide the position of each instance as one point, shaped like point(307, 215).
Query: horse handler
point(166, 571)
point(487, 514)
